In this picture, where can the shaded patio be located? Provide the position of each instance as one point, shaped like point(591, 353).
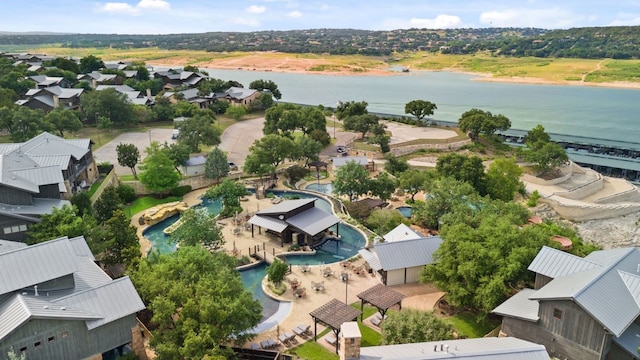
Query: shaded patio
point(333, 314)
point(381, 297)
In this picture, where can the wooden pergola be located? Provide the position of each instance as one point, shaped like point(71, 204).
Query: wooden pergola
point(382, 297)
point(333, 314)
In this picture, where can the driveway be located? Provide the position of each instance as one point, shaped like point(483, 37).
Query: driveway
point(402, 133)
point(237, 138)
point(140, 139)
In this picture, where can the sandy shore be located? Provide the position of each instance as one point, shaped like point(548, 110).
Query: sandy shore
point(326, 66)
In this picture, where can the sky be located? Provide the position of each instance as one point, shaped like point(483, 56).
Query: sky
point(197, 16)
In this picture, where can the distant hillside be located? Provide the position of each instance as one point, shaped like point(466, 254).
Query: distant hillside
point(622, 42)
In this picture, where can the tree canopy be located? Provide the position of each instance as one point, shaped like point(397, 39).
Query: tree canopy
point(419, 108)
point(269, 152)
point(476, 121)
point(158, 170)
point(63, 120)
point(109, 103)
point(216, 166)
point(128, 156)
point(230, 192)
point(352, 180)
point(413, 326)
point(464, 168)
point(351, 108)
point(540, 150)
point(360, 123)
point(198, 226)
point(198, 302)
point(268, 85)
point(198, 130)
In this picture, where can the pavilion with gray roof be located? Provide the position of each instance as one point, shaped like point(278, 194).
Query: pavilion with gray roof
point(381, 297)
point(580, 308)
point(296, 220)
point(333, 314)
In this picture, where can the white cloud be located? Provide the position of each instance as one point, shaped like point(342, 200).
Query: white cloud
point(127, 9)
point(625, 19)
point(255, 9)
point(246, 22)
point(541, 18)
point(154, 4)
point(294, 14)
point(439, 22)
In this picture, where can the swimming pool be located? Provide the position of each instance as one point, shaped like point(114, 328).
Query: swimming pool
point(323, 188)
point(405, 211)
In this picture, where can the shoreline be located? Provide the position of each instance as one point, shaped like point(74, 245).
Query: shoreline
point(301, 66)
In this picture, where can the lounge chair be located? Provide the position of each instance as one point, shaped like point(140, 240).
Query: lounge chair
point(291, 337)
point(305, 268)
point(375, 321)
point(299, 332)
point(265, 344)
point(284, 339)
point(255, 346)
point(317, 286)
point(306, 329)
point(380, 317)
point(272, 343)
point(331, 339)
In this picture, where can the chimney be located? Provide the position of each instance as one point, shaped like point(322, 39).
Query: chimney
point(350, 340)
point(35, 289)
point(149, 94)
point(94, 84)
point(56, 101)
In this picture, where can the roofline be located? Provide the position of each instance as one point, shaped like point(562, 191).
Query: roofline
point(95, 288)
point(604, 270)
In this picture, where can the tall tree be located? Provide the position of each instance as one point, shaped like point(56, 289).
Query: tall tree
point(383, 186)
point(463, 168)
point(178, 153)
point(352, 180)
point(307, 149)
point(107, 204)
point(198, 227)
point(63, 120)
point(503, 179)
point(230, 192)
point(351, 108)
point(360, 123)
point(27, 123)
point(268, 85)
point(123, 245)
point(476, 121)
point(413, 181)
point(270, 150)
point(158, 171)
point(107, 102)
point(419, 108)
point(216, 166)
point(128, 155)
point(61, 222)
point(443, 196)
point(395, 165)
point(199, 129)
point(198, 301)
point(90, 63)
point(414, 326)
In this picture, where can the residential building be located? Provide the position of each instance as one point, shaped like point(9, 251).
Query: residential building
point(239, 96)
point(49, 98)
point(174, 78)
point(36, 176)
point(56, 303)
point(401, 254)
point(580, 308)
point(191, 96)
point(44, 81)
point(133, 96)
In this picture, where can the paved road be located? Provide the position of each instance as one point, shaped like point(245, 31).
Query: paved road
point(140, 139)
point(237, 138)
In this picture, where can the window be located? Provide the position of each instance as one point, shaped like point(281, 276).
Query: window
point(557, 313)
point(37, 344)
point(64, 334)
point(51, 339)
point(23, 350)
point(15, 229)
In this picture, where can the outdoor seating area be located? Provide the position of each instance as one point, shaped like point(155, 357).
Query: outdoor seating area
point(359, 270)
point(317, 286)
point(327, 272)
point(294, 283)
point(302, 330)
point(331, 339)
point(300, 292)
point(345, 263)
point(305, 268)
point(375, 321)
point(269, 344)
point(287, 339)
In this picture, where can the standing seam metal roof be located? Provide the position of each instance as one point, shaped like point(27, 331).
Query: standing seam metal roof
point(408, 253)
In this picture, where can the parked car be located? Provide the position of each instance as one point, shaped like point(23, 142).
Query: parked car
point(233, 166)
point(175, 134)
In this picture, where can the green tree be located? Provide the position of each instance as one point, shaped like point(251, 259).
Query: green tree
point(63, 64)
point(107, 204)
point(360, 123)
point(8, 97)
point(271, 150)
point(198, 302)
point(383, 186)
point(414, 326)
point(158, 171)
point(537, 135)
point(216, 165)
point(381, 221)
point(546, 157)
point(63, 120)
point(82, 203)
point(178, 153)
point(380, 137)
point(485, 254)
point(268, 85)
point(235, 112)
point(348, 109)
point(419, 109)
point(264, 101)
point(122, 245)
point(395, 165)
point(503, 179)
point(162, 108)
point(307, 149)
point(199, 130)
point(352, 180)
point(90, 63)
point(312, 119)
point(476, 121)
point(128, 155)
point(198, 227)
point(463, 168)
point(230, 192)
point(444, 195)
point(276, 271)
point(107, 102)
point(61, 222)
point(413, 181)
point(27, 123)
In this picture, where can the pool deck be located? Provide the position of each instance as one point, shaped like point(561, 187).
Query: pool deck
point(239, 241)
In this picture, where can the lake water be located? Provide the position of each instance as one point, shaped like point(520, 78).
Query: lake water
point(596, 112)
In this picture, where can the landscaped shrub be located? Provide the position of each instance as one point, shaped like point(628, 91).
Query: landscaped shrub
point(533, 199)
point(180, 190)
point(126, 193)
point(294, 247)
point(358, 211)
point(296, 173)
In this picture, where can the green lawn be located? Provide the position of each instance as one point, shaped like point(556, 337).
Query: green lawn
point(146, 202)
point(95, 186)
point(472, 325)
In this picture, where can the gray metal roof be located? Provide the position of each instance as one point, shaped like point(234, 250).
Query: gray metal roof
point(491, 348)
point(285, 206)
point(270, 223)
point(25, 267)
point(370, 256)
point(239, 93)
point(555, 263)
point(6, 245)
point(519, 306)
point(340, 161)
point(81, 248)
point(313, 221)
point(196, 160)
point(408, 253)
point(113, 300)
point(629, 339)
point(39, 206)
point(402, 232)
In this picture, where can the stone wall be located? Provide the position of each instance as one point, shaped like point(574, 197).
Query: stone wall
point(110, 180)
point(584, 190)
point(591, 212)
point(196, 182)
point(567, 171)
point(400, 150)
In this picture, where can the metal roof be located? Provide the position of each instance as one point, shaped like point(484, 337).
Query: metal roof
point(340, 161)
point(6, 245)
point(35, 264)
point(285, 206)
point(113, 300)
point(335, 313)
point(402, 232)
point(239, 93)
point(555, 263)
point(408, 253)
point(313, 221)
point(629, 339)
point(39, 206)
point(270, 223)
point(381, 296)
point(370, 256)
point(44, 175)
point(196, 160)
point(519, 306)
point(81, 248)
point(490, 348)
